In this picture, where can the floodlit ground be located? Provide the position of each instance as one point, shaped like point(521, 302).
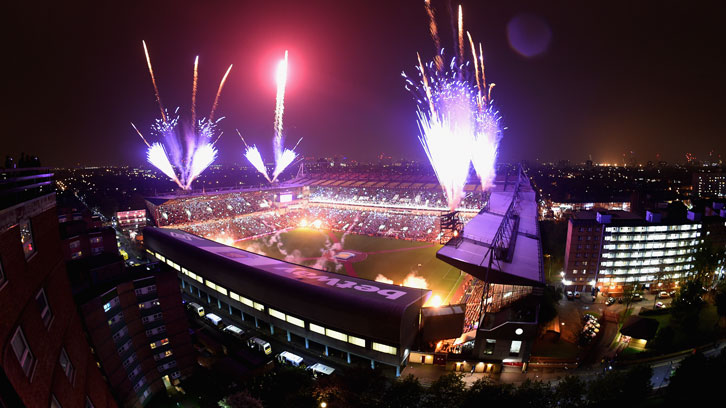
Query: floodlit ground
point(376, 258)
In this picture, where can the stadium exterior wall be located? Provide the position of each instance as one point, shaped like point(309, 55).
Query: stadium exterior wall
point(369, 319)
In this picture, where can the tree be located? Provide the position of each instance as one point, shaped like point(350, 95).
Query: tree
point(615, 387)
point(485, 392)
point(284, 387)
point(696, 375)
point(241, 399)
point(404, 393)
point(446, 392)
point(548, 309)
point(721, 300)
point(570, 391)
point(535, 394)
point(706, 260)
point(686, 307)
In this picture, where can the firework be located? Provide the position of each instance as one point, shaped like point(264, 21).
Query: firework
point(457, 122)
point(184, 151)
point(287, 157)
point(280, 107)
point(283, 156)
point(255, 158)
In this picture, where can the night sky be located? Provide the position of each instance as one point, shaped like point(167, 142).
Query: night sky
point(615, 77)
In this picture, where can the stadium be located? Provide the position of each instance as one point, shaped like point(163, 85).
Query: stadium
point(373, 230)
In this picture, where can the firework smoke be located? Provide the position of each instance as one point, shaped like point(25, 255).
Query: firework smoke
point(184, 151)
point(458, 124)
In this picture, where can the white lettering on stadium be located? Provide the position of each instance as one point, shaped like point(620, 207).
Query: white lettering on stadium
point(345, 284)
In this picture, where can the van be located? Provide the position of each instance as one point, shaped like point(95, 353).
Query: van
point(234, 330)
point(258, 344)
point(290, 359)
point(214, 319)
point(318, 368)
point(196, 308)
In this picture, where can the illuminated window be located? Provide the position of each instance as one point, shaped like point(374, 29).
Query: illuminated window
point(357, 341)
point(26, 238)
point(515, 347)
point(336, 335)
point(295, 321)
point(259, 306)
point(384, 348)
point(277, 314)
point(317, 329)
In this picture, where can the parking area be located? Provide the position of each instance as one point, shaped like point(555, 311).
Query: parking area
point(216, 339)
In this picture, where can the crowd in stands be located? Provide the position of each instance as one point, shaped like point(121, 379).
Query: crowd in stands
point(410, 214)
point(191, 210)
point(432, 198)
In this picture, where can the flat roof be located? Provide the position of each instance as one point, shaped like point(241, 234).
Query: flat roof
point(471, 254)
point(369, 308)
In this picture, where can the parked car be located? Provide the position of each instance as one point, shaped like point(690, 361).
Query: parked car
point(577, 295)
point(610, 301)
point(570, 296)
point(660, 305)
point(637, 297)
point(663, 295)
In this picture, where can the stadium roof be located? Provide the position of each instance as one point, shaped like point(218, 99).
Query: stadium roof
point(472, 253)
point(359, 306)
point(162, 198)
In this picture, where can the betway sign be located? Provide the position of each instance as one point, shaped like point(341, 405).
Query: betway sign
point(291, 271)
point(310, 276)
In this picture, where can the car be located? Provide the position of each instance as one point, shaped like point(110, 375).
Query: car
point(663, 295)
point(570, 296)
point(660, 305)
point(672, 293)
point(637, 297)
point(610, 301)
point(577, 295)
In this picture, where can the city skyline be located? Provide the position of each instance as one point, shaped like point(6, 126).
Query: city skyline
point(611, 80)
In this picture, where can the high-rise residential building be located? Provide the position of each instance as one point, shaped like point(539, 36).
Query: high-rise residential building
point(709, 184)
point(138, 326)
point(613, 249)
point(46, 360)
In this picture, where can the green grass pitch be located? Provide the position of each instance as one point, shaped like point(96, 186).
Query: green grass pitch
point(372, 256)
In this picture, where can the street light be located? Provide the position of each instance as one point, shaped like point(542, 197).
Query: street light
point(323, 404)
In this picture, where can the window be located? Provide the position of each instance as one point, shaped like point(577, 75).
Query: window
point(275, 313)
point(336, 335)
point(66, 365)
point(384, 348)
point(357, 341)
point(22, 352)
point(26, 238)
point(515, 347)
point(97, 240)
point(489, 348)
point(45, 313)
point(294, 320)
point(74, 245)
point(317, 329)
point(110, 305)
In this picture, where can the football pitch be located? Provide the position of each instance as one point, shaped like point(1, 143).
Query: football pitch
point(400, 261)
